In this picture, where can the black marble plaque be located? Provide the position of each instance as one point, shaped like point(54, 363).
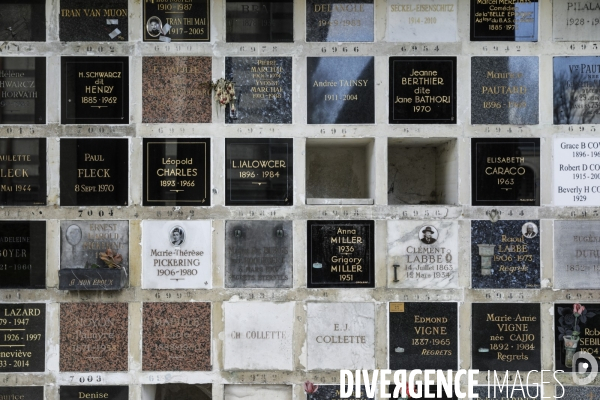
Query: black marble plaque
point(505, 254)
point(422, 90)
point(576, 88)
point(339, 21)
point(22, 172)
point(94, 172)
point(588, 326)
point(340, 90)
point(182, 391)
point(341, 254)
point(515, 21)
point(95, 90)
point(93, 20)
point(421, 390)
point(505, 90)
point(23, 21)
point(22, 90)
point(23, 251)
point(423, 336)
point(22, 393)
point(259, 21)
point(259, 172)
point(176, 172)
point(506, 336)
point(332, 392)
point(512, 391)
point(505, 172)
point(177, 21)
point(94, 392)
point(22, 337)
point(263, 90)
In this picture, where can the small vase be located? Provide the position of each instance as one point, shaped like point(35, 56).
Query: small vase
point(486, 252)
point(570, 348)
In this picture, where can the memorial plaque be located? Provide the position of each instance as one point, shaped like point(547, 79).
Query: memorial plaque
point(422, 90)
point(423, 336)
point(335, 21)
point(93, 337)
point(259, 21)
point(94, 392)
point(506, 337)
point(576, 255)
point(180, 391)
point(23, 21)
point(259, 254)
point(95, 90)
point(422, 254)
point(258, 392)
point(421, 390)
point(93, 21)
point(253, 330)
point(22, 393)
point(505, 254)
point(263, 90)
point(22, 172)
point(505, 90)
point(513, 391)
point(505, 172)
point(177, 254)
point(575, 183)
point(341, 254)
point(176, 89)
point(340, 90)
point(576, 328)
point(515, 21)
point(23, 90)
point(176, 172)
point(176, 337)
point(576, 88)
point(22, 338)
point(341, 336)
point(577, 392)
point(259, 172)
point(422, 21)
point(23, 250)
point(94, 172)
point(332, 392)
point(177, 21)
point(575, 21)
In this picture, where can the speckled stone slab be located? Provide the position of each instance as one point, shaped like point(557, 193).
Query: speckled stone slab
point(332, 392)
point(513, 262)
point(258, 392)
point(175, 89)
point(179, 391)
point(176, 337)
point(578, 392)
point(94, 392)
point(339, 21)
point(93, 20)
point(22, 392)
point(26, 19)
point(93, 337)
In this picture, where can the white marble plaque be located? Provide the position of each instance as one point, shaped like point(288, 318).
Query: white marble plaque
point(341, 336)
point(576, 255)
point(422, 21)
point(258, 392)
point(576, 171)
point(258, 335)
point(577, 21)
point(422, 254)
point(176, 254)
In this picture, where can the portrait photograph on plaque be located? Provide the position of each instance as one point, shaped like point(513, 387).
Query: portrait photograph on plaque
point(23, 94)
point(259, 21)
point(23, 21)
point(23, 338)
point(94, 90)
point(93, 21)
point(505, 172)
point(516, 21)
point(23, 172)
point(339, 21)
point(176, 21)
point(176, 172)
point(23, 250)
point(94, 172)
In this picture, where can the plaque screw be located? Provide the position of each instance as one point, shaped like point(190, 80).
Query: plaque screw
point(238, 233)
point(279, 232)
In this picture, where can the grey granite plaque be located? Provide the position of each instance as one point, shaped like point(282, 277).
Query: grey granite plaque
point(339, 21)
point(263, 90)
point(576, 255)
point(258, 254)
point(576, 88)
point(576, 21)
point(578, 392)
point(332, 392)
point(505, 90)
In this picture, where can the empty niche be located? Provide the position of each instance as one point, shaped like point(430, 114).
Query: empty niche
point(179, 391)
point(422, 171)
point(340, 171)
